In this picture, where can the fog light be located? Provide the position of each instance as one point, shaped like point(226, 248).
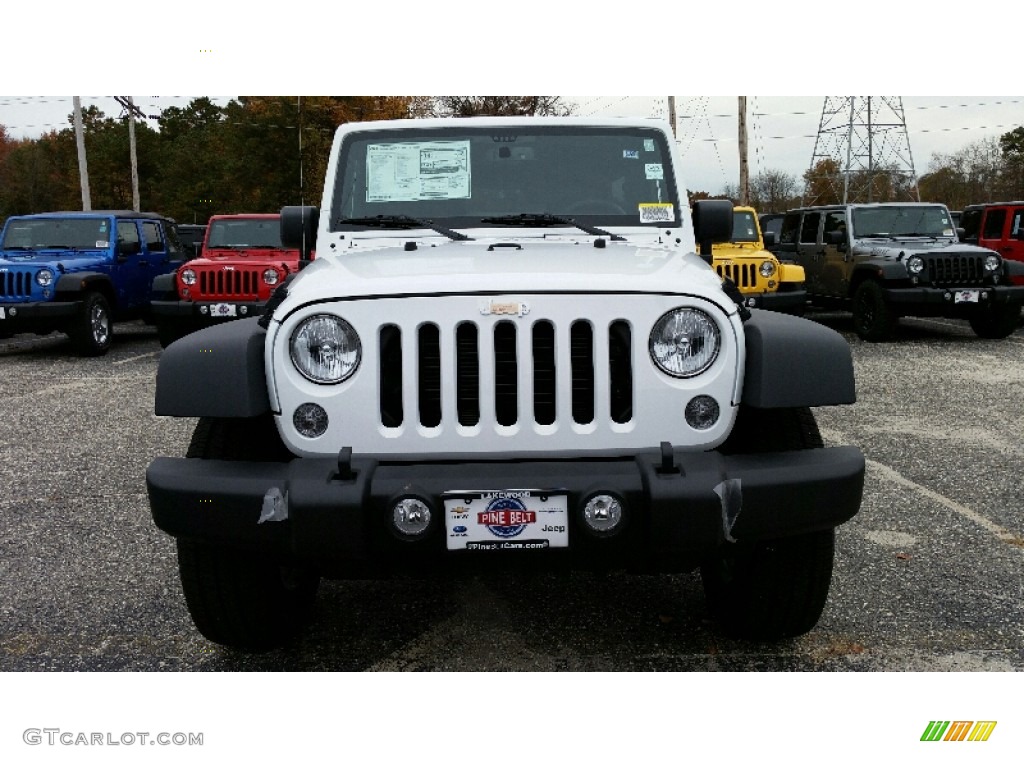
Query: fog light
point(602, 514)
point(310, 420)
point(13, 311)
point(203, 309)
point(411, 517)
point(702, 412)
point(243, 310)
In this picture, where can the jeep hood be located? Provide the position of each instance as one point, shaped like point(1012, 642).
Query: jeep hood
point(59, 261)
point(247, 256)
point(495, 266)
point(893, 249)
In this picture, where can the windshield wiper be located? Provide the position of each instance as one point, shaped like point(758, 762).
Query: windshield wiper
point(404, 222)
point(547, 219)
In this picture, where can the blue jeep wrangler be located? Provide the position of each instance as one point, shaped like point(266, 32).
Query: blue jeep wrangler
point(78, 272)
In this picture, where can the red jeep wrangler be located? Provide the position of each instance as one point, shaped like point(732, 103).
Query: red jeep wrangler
point(999, 226)
point(240, 265)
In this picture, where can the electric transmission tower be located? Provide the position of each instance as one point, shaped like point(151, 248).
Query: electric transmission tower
point(862, 153)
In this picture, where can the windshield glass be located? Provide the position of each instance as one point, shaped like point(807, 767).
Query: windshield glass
point(40, 234)
point(902, 221)
point(744, 228)
point(456, 176)
point(244, 233)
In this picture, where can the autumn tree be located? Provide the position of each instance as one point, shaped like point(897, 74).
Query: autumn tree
point(511, 106)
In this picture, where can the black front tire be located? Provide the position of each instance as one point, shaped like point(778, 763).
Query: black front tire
point(770, 590)
point(873, 318)
point(92, 330)
point(997, 321)
point(237, 598)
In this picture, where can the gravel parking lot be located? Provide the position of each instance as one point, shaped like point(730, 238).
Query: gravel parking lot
point(929, 576)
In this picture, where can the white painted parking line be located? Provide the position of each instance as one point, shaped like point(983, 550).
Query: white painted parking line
point(137, 357)
point(1004, 535)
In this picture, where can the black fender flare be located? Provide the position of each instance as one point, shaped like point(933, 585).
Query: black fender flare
point(793, 362)
point(164, 286)
point(74, 284)
point(217, 371)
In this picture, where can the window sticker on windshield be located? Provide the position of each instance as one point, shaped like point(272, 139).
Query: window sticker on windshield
point(648, 145)
point(630, 154)
point(654, 171)
point(102, 243)
point(947, 233)
point(417, 170)
point(651, 213)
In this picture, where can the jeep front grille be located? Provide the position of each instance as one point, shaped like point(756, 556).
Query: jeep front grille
point(743, 274)
point(955, 269)
point(229, 283)
point(488, 371)
point(15, 285)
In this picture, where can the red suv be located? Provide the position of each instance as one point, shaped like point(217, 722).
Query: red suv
point(240, 265)
point(999, 226)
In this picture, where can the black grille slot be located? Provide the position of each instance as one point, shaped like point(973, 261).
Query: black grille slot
point(581, 352)
point(16, 284)
point(544, 373)
point(620, 369)
point(467, 374)
point(506, 374)
point(744, 275)
point(955, 269)
point(391, 413)
point(229, 282)
point(430, 375)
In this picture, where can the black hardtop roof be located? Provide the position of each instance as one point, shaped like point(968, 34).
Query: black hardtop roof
point(978, 206)
point(85, 214)
point(860, 205)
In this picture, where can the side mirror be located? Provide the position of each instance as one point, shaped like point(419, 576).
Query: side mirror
point(126, 249)
point(1019, 235)
point(712, 223)
point(298, 228)
point(769, 239)
point(836, 237)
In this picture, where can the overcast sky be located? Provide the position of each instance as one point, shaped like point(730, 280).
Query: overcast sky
point(539, 47)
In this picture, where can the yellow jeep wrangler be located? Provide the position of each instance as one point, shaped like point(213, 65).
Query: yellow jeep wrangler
point(761, 278)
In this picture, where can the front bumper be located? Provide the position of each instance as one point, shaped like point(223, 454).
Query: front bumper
point(942, 301)
point(197, 314)
point(679, 507)
point(32, 316)
point(777, 300)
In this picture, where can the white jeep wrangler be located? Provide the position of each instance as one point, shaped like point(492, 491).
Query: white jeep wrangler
point(508, 353)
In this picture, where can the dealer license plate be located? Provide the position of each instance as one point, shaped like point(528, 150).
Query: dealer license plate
point(509, 520)
point(964, 297)
point(222, 310)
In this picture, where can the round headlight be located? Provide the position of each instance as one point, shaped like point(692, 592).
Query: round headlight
point(44, 277)
point(684, 342)
point(991, 263)
point(188, 276)
point(915, 265)
point(270, 277)
point(767, 268)
point(325, 349)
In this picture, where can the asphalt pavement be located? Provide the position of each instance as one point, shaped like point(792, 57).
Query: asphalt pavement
point(928, 577)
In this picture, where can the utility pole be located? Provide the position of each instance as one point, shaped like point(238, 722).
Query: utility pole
point(132, 112)
point(83, 166)
point(744, 166)
point(672, 114)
